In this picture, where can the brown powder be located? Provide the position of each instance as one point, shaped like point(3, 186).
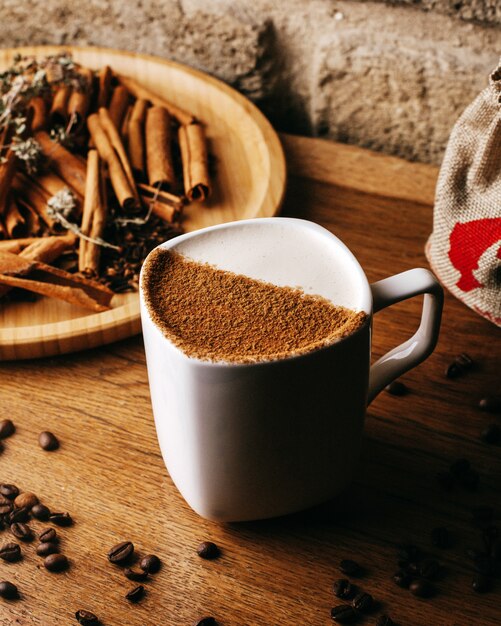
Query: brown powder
point(217, 315)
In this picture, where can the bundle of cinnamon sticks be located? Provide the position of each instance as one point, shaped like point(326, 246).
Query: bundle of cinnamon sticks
point(95, 170)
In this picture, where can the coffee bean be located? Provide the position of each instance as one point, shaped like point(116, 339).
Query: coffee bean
point(491, 404)
point(453, 370)
point(40, 512)
point(9, 491)
point(491, 434)
point(205, 621)
point(10, 552)
point(344, 614)
point(363, 602)
point(46, 548)
point(445, 480)
point(8, 590)
point(402, 579)
point(6, 508)
point(350, 567)
point(86, 618)
point(429, 569)
point(61, 519)
point(56, 562)
point(465, 361)
point(19, 515)
point(385, 620)
point(150, 564)
point(409, 567)
point(460, 467)
point(481, 583)
point(21, 531)
point(26, 500)
point(469, 480)
point(7, 428)
point(342, 588)
point(48, 441)
point(208, 550)
point(136, 575)
point(397, 388)
point(48, 536)
point(421, 588)
point(441, 538)
point(136, 594)
point(121, 552)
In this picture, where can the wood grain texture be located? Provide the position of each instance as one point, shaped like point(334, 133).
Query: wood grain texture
point(109, 473)
point(249, 181)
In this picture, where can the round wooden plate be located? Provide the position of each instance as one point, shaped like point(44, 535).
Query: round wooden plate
point(249, 182)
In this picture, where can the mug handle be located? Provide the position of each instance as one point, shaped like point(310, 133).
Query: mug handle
point(419, 347)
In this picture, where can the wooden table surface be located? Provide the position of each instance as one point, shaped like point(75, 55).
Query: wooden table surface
point(109, 474)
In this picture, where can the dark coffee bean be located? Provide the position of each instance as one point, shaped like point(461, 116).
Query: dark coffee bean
point(482, 513)
point(385, 620)
point(86, 618)
point(8, 590)
point(453, 370)
point(7, 428)
point(205, 621)
point(48, 536)
point(445, 480)
point(21, 531)
point(491, 434)
point(9, 491)
point(469, 480)
point(46, 548)
point(344, 614)
point(402, 579)
point(19, 515)
point(464, 361)
point(409, 567)
point(56, 562)
point(48, 441)
point(121, 553)
point(10, 552)
point(208, 550)
point(363, 602)
point(491, 404)
point(136, 575)
point(6, 509)
point(429, 569)
point(397, 388)
point(409, 552)
point(350, 567)
point(342, 588)
point(61, 519)
point(150, 563)
point(421, 588)
point(441, 538)
point(136, 594)
point(460, 467)
point(481, 583)
point(40, 512)
point(25, 500)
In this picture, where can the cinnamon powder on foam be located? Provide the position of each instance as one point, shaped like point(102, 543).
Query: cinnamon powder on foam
point(216, 315)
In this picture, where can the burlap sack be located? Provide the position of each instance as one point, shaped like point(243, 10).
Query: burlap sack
point(464, 249)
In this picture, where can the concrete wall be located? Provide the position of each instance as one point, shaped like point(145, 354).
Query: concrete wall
point(392, 76)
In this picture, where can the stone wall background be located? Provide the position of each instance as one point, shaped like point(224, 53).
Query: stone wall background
point(390, 75)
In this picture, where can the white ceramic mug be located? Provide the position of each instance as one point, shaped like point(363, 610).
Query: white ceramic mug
point(250, 441)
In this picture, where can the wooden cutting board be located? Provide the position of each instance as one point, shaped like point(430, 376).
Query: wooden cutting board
point(249, 182)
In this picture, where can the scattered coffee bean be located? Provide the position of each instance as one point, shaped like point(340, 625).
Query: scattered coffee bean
point(9, 491)
point(205, 621)
point(150, 564)
point(48, 536)
point(342, 588)
point(350, 567)
point(121, 552)
point(46, 548)
point(56, 562)
point(421, 588)
point(481, 583)
point(8, 590)
point(459, 366)
point(208, 550)
point(397, 388)
point(86, 618)
point(40, 512)
point(363, 602)
point(453, 370)
point(136, 594)
point(441, 538)
point(61, 519)
point(385, 620)
point(19, 515)
point(465, 361)
point(469, 480)
point(491, 404)
point(26, 500)
point(491, 434)
point(10, 552)
point(402, 579)
point(429, 569)
point(136, 575)
point(6, 508)
point(409, 567)
point(7, 428)
point(460, 467)
point(21, 531)
point(48, 441)
point(344, 614)
point(445, 480)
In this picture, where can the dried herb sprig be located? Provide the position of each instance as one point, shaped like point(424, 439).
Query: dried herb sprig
point(29, 152)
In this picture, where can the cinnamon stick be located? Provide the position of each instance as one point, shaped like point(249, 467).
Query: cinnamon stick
point(136, 136)
point(51, 184)
point(105, 78)
point(159, 161)
point(118, 105)
point(14, 222)
point(59, 110)
point(124, 129)
point(39, 108)
point(16, 245)
point(33, 224)
point(193, 146)
point(139, 91)
point(48, 249)
point(153, 193)
point(3, 232)
point(166, 212)
point(68, 166)
point(93, 216)
point(33, 196)
point(79, 100)
point(7, 171)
